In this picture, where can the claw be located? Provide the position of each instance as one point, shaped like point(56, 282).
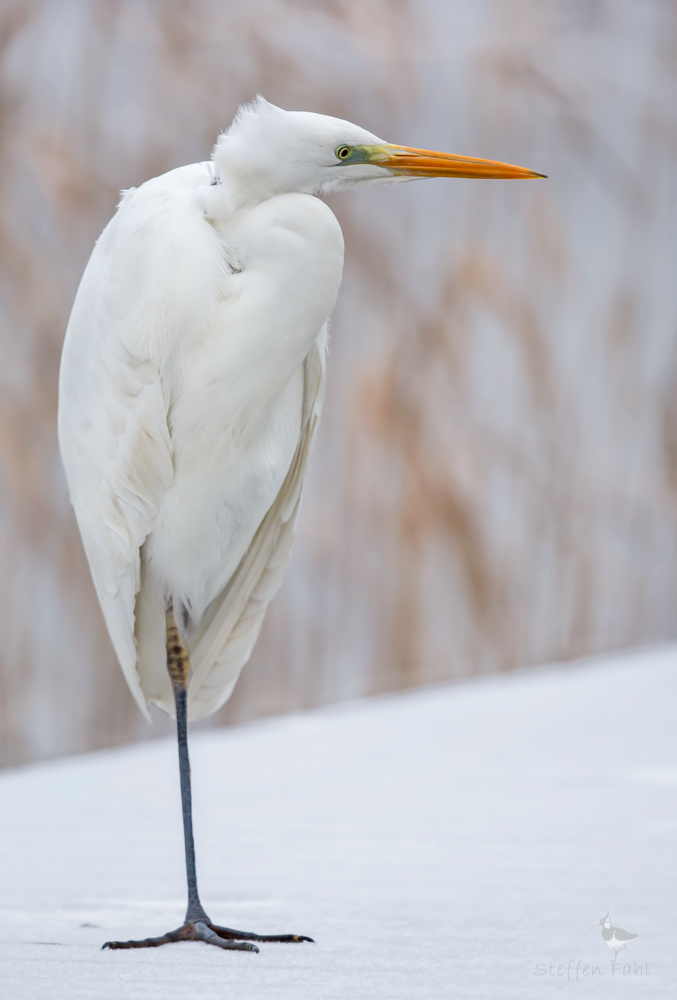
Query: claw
point(231, 935)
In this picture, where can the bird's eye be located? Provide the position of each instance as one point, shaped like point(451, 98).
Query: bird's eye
point(343, 152)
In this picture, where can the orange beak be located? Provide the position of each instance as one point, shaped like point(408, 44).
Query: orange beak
point(427, 163)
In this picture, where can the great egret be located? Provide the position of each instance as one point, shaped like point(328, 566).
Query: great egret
point(190, 392)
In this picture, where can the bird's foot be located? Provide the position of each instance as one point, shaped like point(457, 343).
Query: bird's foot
point(221, 937)
point(191, 931)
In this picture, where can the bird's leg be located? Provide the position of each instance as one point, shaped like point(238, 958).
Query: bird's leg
point(178, 667)
point(197, 926)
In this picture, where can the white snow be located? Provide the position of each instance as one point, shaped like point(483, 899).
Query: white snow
point(440, 843)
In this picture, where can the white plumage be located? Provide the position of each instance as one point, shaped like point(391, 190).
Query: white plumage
point(192, 380)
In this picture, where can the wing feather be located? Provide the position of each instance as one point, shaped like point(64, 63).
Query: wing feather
point(227, 634)
point(113, 434)
point(117, 454)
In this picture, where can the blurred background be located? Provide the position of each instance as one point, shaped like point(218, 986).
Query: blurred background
point(495, 483)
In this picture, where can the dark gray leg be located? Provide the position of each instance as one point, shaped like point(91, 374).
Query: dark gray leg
point(178, 666)
point(197, 926)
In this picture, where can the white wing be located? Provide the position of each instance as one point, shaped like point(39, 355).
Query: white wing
point(117, 453)
point(113, 434)
point(227, 634)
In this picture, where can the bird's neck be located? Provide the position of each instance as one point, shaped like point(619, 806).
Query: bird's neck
point(239, 184)
point(247, 178)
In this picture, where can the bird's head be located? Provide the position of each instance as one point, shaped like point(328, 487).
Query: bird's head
point(268, 151)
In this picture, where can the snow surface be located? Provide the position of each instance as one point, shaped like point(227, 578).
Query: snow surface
point(440, 843)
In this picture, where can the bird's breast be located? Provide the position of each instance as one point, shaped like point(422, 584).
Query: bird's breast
point(236, 390)
point(231, 368)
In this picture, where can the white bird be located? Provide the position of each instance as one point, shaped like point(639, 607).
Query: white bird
point(190, 391)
